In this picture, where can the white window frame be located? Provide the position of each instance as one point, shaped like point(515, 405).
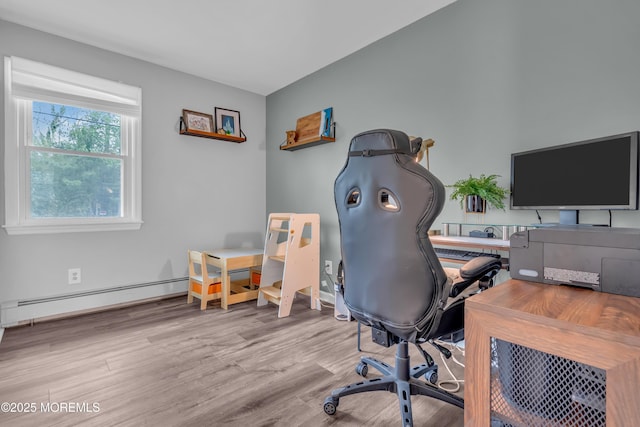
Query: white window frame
point(26, 81)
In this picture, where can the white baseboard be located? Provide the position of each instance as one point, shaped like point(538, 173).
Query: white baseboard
point(14, 313)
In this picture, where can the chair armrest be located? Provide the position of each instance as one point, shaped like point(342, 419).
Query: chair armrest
point(481, 269)
point(478, 267)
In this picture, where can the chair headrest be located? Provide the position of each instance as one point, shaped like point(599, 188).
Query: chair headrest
point(383, 141)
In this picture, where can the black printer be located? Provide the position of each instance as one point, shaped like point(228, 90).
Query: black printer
point(605, 259)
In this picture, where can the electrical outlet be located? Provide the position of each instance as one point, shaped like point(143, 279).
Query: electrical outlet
point(75, 276)
point(328, 266)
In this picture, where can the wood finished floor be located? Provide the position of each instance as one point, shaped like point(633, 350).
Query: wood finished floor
point(166, 363)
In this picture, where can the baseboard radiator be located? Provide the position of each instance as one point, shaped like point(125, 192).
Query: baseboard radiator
point(327, 297)
point(13, 313)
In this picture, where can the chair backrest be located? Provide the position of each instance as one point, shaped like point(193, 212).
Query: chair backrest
point(195, 264)
point(198, 268)
point(386, 203)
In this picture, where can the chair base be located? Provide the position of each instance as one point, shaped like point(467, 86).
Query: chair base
point(402, 380)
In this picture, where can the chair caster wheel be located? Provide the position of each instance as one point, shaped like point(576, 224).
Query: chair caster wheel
point(432, 377)
point(362, 369)
point(330, 406)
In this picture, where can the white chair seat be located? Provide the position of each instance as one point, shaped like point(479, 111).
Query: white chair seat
point(198, 278)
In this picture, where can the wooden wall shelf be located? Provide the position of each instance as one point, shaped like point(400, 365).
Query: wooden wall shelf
point(314, 129)
point(307, 143)
point(211, 135)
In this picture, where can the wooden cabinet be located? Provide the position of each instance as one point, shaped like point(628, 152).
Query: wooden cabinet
point(580, 325)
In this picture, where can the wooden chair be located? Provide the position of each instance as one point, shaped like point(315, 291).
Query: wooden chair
point(202, 283)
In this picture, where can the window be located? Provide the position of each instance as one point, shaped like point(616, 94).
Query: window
point(72, 151)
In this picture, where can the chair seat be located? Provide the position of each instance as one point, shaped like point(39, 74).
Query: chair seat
point(452, 273)
point(198, 278)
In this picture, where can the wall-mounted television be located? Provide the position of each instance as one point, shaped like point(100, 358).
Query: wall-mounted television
point(599, 173)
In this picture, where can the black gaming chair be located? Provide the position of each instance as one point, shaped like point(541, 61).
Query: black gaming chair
point(392, 278)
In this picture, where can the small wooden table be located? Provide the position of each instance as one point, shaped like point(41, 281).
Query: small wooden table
point(228, 260)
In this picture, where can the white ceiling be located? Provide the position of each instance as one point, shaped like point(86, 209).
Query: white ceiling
point(257, 45)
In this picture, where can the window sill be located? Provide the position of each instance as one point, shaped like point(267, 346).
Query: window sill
point(51, 228)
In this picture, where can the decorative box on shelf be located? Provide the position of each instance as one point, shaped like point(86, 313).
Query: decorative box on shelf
point(314, 129)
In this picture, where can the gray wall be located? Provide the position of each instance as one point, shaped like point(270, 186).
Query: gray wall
point(197, 192)
point(483, 79)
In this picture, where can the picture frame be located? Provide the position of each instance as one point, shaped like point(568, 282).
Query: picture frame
point(228, 122)
point(194, 120)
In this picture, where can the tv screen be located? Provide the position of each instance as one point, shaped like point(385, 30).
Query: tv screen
point(595, 174)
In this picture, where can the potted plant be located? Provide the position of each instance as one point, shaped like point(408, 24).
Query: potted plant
point(474, 192)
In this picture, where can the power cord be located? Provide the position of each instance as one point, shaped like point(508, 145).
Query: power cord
point(454, 381)
point(333, 286)
point(493, 231)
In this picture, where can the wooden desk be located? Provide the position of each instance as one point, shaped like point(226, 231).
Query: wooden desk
point(598, 329)
point(472, 242)
point(228, 260)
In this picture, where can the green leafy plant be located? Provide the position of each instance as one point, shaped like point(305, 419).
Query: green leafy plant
point(484, 186)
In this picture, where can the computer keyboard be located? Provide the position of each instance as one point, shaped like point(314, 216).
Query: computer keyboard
point(462, 254)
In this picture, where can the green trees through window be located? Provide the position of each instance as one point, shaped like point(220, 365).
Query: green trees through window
point(75, 162)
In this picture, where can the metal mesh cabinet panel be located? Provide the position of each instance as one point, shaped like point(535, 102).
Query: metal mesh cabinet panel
point(531, 388)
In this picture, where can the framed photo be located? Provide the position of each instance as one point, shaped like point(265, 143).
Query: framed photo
point(197, 121)
point(228, 122)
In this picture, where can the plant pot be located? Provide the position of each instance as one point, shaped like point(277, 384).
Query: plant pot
point(475, 204)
